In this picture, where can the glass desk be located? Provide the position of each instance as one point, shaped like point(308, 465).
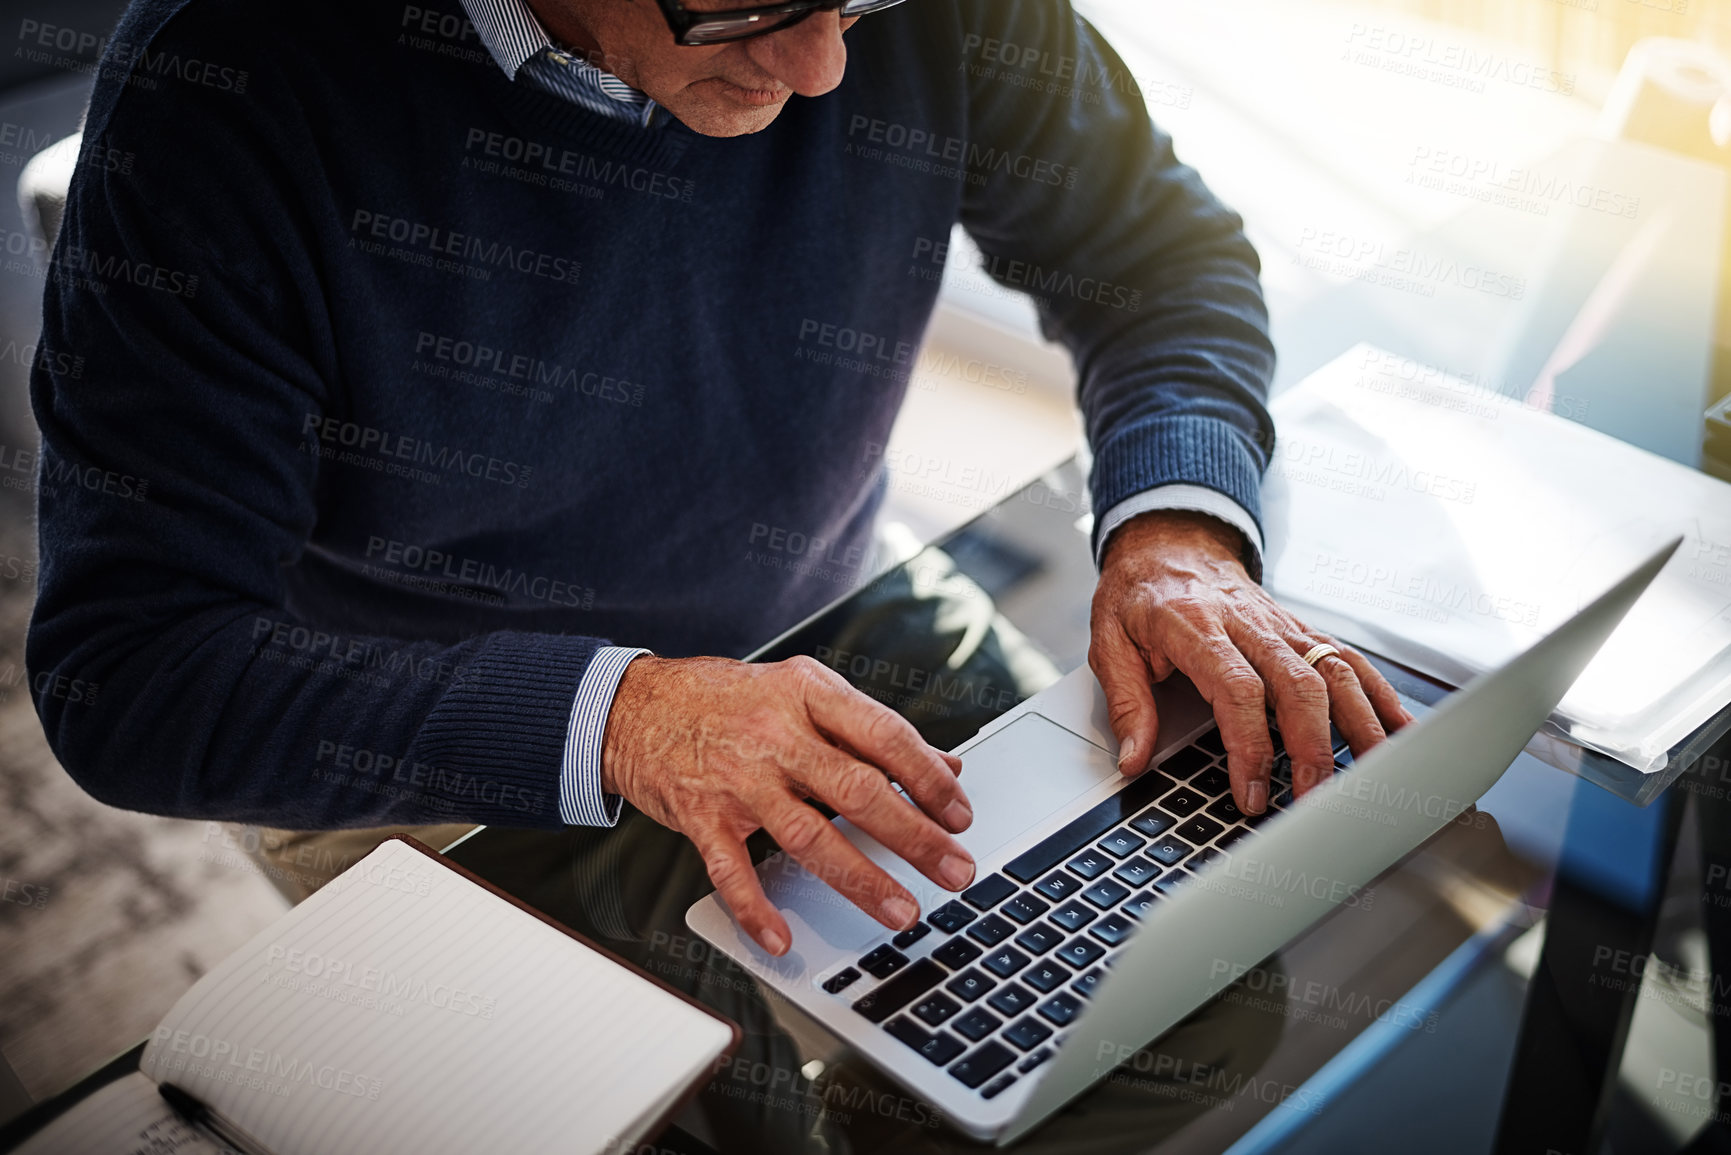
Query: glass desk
point(1481, 998)
point(1437, 999)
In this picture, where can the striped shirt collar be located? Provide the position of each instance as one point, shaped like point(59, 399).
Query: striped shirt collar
point(518, 42)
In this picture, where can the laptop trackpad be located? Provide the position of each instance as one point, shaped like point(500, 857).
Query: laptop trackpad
point(1015, 780)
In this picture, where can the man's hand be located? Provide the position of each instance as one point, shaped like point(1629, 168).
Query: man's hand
point(716, 749)
point(1173, 595)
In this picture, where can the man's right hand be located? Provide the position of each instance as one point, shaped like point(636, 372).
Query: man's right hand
point(717, 749)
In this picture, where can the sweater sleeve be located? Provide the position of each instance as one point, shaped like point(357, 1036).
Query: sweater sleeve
point(1133, 264)
point(178, 480)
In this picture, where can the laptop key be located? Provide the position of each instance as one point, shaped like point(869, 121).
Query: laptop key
point(937, 1047)
point(911, 935)
point(951, 917)
point(1169, 851)
point(1186, 762)
point(1203, 857)
point(882, 1002)
point(1183, 803)
point(1034, 1060)
point(1090, 863)
point(1073, 916)
point(957, 953)
point(1005, 961)
point(976, 1024)
point(1059, 886)
point(1011, 1000)
point(1122, 843)
point(1138, 906)
point(942, 1048)
point(935, 1008)
point(1198, 830)
point(1106, 894)
point(1028, 1033)
point(989, 892)
point(1171, 881)
point(840, 981)
point(1212, 782)
point(908, 1032)
point(1061, 1009)
point(1045, 978)
point(986, 1060)
point(998, 1086)
point(883, 962)
point(1134, 872)
point(1085, 985)
point(1226, 811)
point(1039, 938)
point(1024, 908)
point(1232, 835)
point(1153, 823)
point(1212, 743)
point(1097, 820)
point(991, 930)
point(1113, 929)
point(970, 985)
point(1081, 952)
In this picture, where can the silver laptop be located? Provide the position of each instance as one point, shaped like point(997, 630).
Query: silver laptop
point(1104, 905)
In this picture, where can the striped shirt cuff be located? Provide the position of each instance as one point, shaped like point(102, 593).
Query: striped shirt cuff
point(1195, 498)
point(581, 802)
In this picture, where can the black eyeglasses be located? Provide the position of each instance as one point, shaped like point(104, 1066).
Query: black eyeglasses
point(743, 22)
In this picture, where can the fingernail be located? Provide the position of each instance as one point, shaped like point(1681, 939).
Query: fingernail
point(1127, 756)
point(900, 913)
point(774, 942)
point(957, 816)
point(956, 871)
point(1256, 797)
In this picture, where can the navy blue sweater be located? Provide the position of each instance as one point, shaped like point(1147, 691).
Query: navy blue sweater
point(384, 390)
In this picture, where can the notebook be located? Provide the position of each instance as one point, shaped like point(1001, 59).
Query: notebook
point(410, 1007)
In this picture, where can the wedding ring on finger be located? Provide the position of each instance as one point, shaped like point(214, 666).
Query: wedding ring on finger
point(1318, 652)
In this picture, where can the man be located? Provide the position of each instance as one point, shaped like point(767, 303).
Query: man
point(439, 377)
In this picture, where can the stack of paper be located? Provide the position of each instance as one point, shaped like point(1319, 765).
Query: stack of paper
point(1449, 528)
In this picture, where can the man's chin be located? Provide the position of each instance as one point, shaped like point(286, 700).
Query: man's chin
point(707, 118)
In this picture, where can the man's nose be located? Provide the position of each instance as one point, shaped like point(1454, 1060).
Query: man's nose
point(809, 57)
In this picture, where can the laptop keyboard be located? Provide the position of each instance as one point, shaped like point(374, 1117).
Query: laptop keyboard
point(987, 984)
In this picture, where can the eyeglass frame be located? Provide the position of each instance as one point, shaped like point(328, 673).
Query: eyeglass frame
point(681, 20)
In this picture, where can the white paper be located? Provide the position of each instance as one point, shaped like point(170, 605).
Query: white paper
point(127, 1117)
point(404, 1009)
point(1449, 528)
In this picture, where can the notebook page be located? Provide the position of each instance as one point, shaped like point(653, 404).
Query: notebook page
point(127, 1117)
point(405, 1009)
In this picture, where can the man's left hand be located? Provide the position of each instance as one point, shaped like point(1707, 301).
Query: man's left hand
point(1173, 595)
